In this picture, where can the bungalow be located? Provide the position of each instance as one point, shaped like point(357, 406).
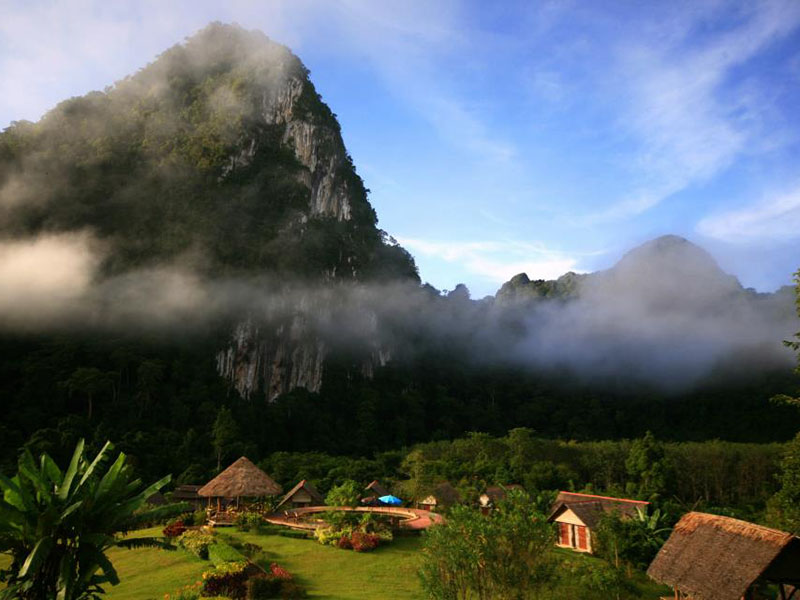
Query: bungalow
point(302, 495)
point(709, 557)
point(443, 496)
point(188, 493)
point(494, 494)
point(578, 514)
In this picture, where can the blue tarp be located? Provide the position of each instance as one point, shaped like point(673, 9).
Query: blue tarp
point(393, 500)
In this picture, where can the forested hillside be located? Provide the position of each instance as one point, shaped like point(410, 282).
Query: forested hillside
point(191, 267)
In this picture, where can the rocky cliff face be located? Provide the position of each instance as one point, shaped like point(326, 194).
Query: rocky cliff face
point(276, 359)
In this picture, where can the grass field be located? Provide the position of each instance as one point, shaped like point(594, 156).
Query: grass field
point(331, 573)
point(326, 572)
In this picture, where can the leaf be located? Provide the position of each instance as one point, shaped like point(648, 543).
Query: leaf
point(97, 460)
point(72, 470)
point(50, 468)
point(37, 555)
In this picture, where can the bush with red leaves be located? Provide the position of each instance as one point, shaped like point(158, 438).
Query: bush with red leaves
point(174, 529)
point(363, 542)
point(279, 572)
point(344, 543)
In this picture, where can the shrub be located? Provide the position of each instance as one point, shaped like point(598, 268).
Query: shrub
point(270, 586)
point(249, 520)
point(263, 588)
point(344, 543)
point(227, 579)
point(174, 529)
point(363, 542)
point(221, 553)
point(196, 542)
point(278, 571)
point(195, 518)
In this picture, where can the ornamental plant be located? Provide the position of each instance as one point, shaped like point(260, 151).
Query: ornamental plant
point(174, 529)
point(196, 542)
point(227, 579)
point(58, 525)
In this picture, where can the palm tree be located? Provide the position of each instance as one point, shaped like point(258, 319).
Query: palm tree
point(57, 526)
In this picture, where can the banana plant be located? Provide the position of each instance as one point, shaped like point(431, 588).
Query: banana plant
point(58, 525)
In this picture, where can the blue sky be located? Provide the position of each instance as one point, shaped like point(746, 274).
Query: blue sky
point(511, 136)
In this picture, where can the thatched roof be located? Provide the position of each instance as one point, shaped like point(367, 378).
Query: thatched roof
point(718, 558)
point(241, 480)
point(186, 492)
point(376, 488)
point(589, 507)
point(310, 490)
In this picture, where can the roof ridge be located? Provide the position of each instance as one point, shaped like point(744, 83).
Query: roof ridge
point(603, 497)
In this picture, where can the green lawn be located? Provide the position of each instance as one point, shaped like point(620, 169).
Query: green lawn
point(326, 572)
point(331, 573)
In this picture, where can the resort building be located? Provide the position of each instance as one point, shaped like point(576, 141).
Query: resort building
point(578, 514)
point(494, 494)
point(709, 557)
point(302, 495)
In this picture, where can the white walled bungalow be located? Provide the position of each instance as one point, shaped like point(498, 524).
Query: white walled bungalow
point(576, 515)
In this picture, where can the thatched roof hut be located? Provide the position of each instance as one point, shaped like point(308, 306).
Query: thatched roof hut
point(709, 557)
point(377, 489)
point(241, 480)
point(303, 494)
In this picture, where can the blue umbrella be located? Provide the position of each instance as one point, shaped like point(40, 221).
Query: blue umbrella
point(394, 500)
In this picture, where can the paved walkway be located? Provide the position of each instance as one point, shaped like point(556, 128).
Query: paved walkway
point(413, 519)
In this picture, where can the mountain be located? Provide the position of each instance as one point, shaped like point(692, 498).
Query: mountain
point(668, 272)
point(220, 158)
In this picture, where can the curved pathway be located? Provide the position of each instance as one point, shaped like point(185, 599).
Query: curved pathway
point(413, 519)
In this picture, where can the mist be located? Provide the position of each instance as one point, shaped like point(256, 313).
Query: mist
point(665, 317)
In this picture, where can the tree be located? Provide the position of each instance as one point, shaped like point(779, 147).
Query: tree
point(633, 541)
point(224, 435)
point(506, 555)
point(794, 345)
point(648, 467)
point(90, 381)
point(58, 525)
point(346, 494)
point(784, 506)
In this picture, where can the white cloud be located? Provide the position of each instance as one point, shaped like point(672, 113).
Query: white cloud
point(771, 219)
point(497, 261)
point(689, 122)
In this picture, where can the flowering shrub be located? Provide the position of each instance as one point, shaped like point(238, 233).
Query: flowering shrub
point(196, 542)
point(228, 579)
point(174, 529)
point(278, 571)
point(351, 540)
point(363, 542)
